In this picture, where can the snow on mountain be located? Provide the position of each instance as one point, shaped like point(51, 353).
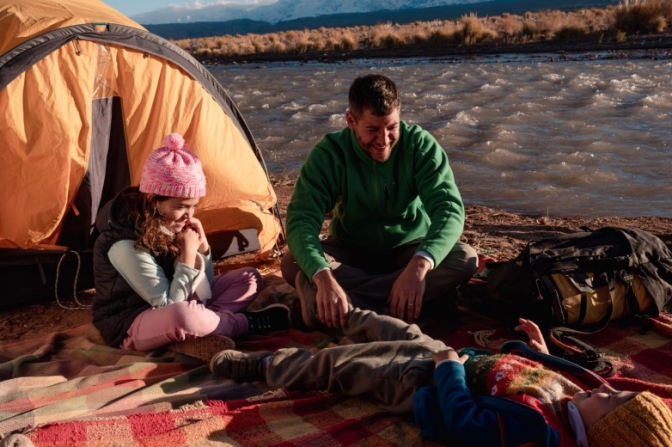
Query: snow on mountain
point(218, 11)
point(294, 9)
point(275, 11)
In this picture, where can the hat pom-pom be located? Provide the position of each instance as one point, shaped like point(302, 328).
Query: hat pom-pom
point(174, 141)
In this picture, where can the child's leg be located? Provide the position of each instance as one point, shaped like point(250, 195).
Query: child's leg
point(389, 372)
point(235, 290)
point(160, 326)
point(366, 326)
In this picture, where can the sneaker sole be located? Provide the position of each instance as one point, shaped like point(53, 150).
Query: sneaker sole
point(202, 348)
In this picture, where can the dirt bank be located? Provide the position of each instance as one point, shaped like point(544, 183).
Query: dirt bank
point(636, 47)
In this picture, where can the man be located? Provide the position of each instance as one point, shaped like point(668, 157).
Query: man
point(397, 214)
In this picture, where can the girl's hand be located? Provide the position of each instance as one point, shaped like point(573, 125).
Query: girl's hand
point(197, 226)
point(537, 341)
point(189, 241)
point(449, 354)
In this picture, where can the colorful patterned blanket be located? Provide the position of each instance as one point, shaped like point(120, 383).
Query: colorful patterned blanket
point(69, 389)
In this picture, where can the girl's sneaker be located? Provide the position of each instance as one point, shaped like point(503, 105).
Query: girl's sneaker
point(271, 318)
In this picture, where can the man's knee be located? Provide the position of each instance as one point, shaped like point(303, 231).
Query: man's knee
point(458, 267)
point(462, 257)
point(471, 259)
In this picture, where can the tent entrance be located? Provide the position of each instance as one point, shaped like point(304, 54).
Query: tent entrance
point(108, 173)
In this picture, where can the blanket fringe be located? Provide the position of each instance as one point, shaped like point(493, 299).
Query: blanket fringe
point(482, 338)
point(279, 393)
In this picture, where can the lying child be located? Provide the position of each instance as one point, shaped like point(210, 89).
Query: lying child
point(470, 398)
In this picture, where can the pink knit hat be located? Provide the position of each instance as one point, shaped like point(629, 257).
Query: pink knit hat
point(173, 171)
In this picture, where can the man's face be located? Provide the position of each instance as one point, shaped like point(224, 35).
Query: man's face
point(595, 404)
point(376, 135)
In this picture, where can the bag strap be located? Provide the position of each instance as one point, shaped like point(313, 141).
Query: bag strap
point(581, 353)
point(586, 375)
point(545, 265)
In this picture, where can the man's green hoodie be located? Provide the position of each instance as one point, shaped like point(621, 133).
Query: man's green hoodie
point(375, 205)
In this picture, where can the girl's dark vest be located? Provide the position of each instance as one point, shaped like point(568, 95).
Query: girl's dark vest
point(116, 304)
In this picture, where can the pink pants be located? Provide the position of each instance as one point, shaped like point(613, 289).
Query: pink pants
point(231, 292)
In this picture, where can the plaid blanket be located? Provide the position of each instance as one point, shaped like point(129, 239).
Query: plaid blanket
point(280, 420)
point(70, 389)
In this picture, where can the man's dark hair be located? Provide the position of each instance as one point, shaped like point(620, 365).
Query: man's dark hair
point(375, 92)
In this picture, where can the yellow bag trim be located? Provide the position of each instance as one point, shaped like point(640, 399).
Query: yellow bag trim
point(598, 299)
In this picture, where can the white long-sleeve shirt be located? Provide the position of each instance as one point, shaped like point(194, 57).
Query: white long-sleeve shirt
point(147, 278)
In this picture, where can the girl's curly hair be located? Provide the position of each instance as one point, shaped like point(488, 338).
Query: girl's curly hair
point(149, 224)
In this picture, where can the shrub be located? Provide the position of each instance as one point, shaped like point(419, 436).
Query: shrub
point(643, 17)
point(550, 22)
point(420, 36)
point(530, 30)
point(348, 42)
point(511, 24)
point(301, 46)
point(659, 24)
point(278, 48)
point(258, 46)
point(391, 41)
point(472, 31)
point(570, 33)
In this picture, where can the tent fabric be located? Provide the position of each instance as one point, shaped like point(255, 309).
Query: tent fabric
point(58, 60)
point(22, 20)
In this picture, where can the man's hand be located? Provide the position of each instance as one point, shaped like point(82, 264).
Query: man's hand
point(405, 300)
point(332, 301)
point(537, 341)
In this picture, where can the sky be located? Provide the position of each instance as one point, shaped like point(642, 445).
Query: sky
point(133, 7)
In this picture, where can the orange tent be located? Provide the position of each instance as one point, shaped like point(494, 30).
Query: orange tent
point(86, 95)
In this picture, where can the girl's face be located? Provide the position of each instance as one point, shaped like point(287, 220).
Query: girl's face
point(177, 211)
point(595, 404)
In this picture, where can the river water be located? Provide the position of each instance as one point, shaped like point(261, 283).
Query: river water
point(584, 136)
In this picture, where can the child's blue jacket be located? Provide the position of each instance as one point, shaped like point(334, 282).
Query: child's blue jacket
point(448, 412)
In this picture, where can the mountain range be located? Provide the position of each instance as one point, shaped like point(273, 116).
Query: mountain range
point(274, 11)
point(407, 11)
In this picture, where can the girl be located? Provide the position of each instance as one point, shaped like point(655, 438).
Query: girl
point(153, 268)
